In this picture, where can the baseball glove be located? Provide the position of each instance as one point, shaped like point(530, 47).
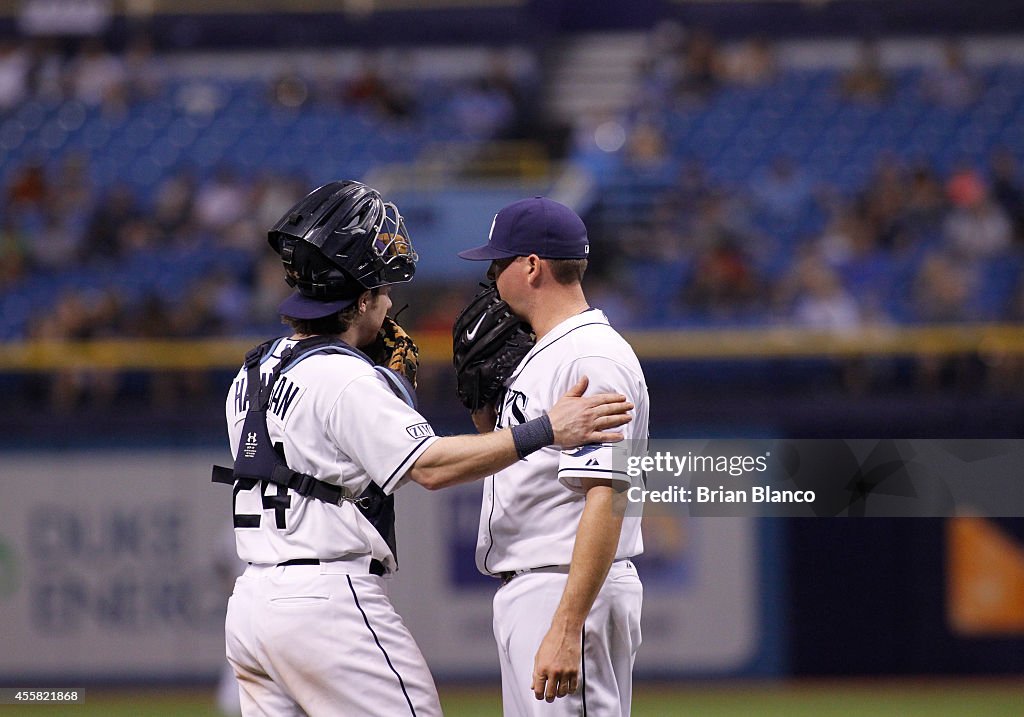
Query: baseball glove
point(488, 342)
point(395, 349)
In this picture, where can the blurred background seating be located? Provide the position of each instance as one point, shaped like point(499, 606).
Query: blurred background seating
point(807, 217)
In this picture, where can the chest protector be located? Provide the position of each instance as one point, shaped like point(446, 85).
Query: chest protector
point(257, 459)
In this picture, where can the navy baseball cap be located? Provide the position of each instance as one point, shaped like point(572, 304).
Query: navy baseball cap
point(538, 226)
point(300, 306)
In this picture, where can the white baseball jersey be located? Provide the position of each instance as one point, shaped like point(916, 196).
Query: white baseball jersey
point(336, 419)
point(531, 509)
point(323, 638)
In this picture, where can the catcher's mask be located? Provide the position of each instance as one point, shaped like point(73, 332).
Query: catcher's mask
point(341, 240)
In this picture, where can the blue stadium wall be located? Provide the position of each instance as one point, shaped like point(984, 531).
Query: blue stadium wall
point(835, 597)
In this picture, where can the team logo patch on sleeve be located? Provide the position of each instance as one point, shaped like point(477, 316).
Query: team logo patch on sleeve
point(420, 430)
point(583, 450)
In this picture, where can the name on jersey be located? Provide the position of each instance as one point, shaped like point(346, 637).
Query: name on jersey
point(284, 394)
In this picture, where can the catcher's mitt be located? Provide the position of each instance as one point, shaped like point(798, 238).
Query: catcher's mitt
point(395, 349)
point(488, 342)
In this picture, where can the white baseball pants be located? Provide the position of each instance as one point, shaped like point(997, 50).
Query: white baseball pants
point(313, 640)
point(523, 609)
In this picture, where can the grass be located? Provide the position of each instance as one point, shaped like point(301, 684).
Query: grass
point(861, 698)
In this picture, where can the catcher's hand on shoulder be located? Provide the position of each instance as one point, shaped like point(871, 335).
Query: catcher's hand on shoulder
point(577, 419)
point(395, 349)
point(488, 342)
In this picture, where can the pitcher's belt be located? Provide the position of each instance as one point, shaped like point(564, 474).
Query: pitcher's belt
point(507, 576)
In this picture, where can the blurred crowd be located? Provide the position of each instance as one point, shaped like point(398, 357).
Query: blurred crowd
point(57, 220)
point(909, 246)
point(912, 243)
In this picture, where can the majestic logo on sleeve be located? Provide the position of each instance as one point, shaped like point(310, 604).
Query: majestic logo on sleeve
point(420, 430)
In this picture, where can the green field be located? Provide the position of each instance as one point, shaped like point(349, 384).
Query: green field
point(861, 698)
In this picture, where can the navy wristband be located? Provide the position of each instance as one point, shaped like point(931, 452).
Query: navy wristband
point(533, 435)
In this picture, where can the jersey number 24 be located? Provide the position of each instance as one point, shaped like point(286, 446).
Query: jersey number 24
point(279, 502)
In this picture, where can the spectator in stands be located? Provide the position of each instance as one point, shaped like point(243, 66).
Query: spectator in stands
point(289, 90)
point(884, 199)
point(480, 109)
point(700, 68)
point(952, 84)
point(390, 96)
point(943, 290)
point(174, 204)
point(867, 81)
point(137, 236)
point(47, 76)
point(229, 299)
point(222, 201)
point(691, 189)
point(723, 282)
point(721, 218)
point(817, 297)
point(1007, 191)
point(78, 316)
point(273, 195)
point(847, 239)
point(646, 149)
point(267, 291)
point(200, 97)
point(103, 233)
point(28, 198)
point(245, 236)
point(659, 68)
point(72, 198)
point(924, 207)
point(653, 255)
point(14, 254)
point(73, 189)
point(195, 317)
point(977, 227)
point(783, 190)
point(55, 246)
point(14, 68)
point(752, 63)
point(501, 79)
point(98, 76)
point(29, 188)
point(149, 319)
point(144, 77)
point(661, 240)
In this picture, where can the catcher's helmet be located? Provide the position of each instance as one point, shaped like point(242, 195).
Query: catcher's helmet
point(341, 240)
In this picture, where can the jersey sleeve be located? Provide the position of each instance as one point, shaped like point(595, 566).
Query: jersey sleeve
point(604, 461)
point(378, 431)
